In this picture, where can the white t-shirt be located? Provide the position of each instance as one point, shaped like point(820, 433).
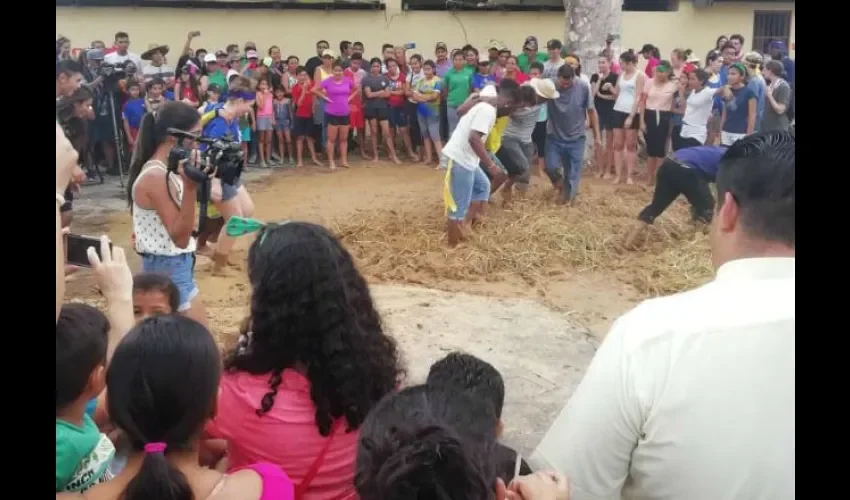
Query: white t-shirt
point(681, 402)
point(480, 118)
point(115, 58)
point(697, 112)
point(164, 72)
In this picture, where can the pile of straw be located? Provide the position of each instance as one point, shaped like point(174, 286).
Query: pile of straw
point(534, 240)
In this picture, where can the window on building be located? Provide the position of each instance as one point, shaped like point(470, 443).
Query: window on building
point(230, 4)
point(530, 5)
point(770, 25)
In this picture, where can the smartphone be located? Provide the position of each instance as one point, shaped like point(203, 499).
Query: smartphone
point(195, 34)
point(76, 249)
point(410, 45)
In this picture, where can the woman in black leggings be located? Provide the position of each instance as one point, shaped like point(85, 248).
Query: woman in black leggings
point(658, 103)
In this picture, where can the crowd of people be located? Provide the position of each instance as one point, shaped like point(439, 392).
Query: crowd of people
point(312, 401)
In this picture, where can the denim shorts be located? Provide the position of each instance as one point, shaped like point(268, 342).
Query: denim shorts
point(229, 191)
point(180, 268)
point(398, 117)
point(466, 186)
point(264, 123)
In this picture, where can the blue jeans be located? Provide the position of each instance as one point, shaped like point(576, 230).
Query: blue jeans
point(452, 119)
point(324, 123)
point(467, 186)
point(564, 160)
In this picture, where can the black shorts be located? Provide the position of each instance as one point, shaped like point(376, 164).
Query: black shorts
point(538, 137)
point(337, 121)
point(380, 114)
point(618, 120)
point(301, 126)
point(605, 115)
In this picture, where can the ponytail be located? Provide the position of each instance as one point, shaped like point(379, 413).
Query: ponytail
point(157, 478)
point(146, 144)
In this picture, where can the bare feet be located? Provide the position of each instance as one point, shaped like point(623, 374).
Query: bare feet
point(396, 160)
point(205, 250)
point(317, 162)
point(629, 181)
point(332, 165)
point(414, 157)
point(346, 165)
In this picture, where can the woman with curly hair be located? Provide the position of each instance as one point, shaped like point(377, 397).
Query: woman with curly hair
point(312, 363)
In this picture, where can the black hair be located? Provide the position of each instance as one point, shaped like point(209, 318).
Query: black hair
point(727, 46)
point(554, 44)
point(386, 46)
point(375, 60)
point(214, 88)
point(194, 81)
point(290, 58)
point(775, 67)
point(465, 372)
point(717, 42)
point(681, 54)
point(650, 49)
point(468, 47)
point(299, 69)
point(712, 56)
point(567, 72)
point(471, 49)
point(357, 56)
point(157, 81)
point(429, 62)
point(536, 65)
point(311, 307)
point(269, 52)
point(417, 57)
point(344, 45)
point(356, 44)
point(425, 442)
point(738, 37)
point(337, 63)
point(527, 95)
point(153, 132)
point(233, 47)
point(82, 337)
point(505, 51)
point(389, 60)
point(76, 129)
point(456, 53)
point(68, 67)
point(629, 56)
point(120, 34)
point(701, 75)
point(323, 42)
point(166, 404)
point(759, 172)
point(156, 282)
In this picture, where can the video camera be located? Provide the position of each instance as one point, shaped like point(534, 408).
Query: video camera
point(224, 154)
point(111, 73)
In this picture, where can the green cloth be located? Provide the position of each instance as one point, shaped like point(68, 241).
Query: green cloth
point(218, 78)
point(74, 448)
point(524, 64)
point(458, 85)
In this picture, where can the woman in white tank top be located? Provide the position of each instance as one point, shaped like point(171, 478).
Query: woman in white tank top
point(626, 119)
point(163, 204)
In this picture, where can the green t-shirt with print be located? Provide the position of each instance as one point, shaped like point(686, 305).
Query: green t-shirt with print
point(458, 85)
point(83, 455)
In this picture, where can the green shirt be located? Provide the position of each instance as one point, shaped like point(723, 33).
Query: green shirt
point(524, 64)
point(219, 79)
point(83, 455)
point(458, 85)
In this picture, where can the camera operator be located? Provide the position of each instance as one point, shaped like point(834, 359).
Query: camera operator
point(163, 204)
point(229, 199)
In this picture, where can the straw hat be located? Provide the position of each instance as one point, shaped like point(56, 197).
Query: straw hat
point(154, 47)
point(544, 87)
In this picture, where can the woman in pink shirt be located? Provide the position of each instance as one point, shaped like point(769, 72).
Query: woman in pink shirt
point(653, 57)
point(314, 362)
point(657, 111)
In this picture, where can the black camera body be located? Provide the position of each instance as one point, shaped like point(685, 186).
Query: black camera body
point(224, 154)
point(112, 73)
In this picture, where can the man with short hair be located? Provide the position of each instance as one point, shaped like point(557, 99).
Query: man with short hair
point(69, 77)
point(566, 135)
point(316, 61)
point(121, 53)
point(692, 396)
point(555, 61)
point(345, 52)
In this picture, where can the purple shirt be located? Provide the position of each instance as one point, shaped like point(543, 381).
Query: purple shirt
point(338, 93)
point(443, 67)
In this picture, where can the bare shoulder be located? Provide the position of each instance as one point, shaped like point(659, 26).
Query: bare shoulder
point(241, 485)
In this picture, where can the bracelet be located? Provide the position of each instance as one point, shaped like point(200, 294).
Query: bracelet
point(60, 199)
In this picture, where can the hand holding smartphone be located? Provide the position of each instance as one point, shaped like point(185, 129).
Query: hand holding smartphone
point(76, 249)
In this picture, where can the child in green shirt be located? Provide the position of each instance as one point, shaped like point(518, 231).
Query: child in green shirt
point(83, 454)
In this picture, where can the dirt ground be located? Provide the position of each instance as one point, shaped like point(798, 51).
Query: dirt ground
point(533, 294)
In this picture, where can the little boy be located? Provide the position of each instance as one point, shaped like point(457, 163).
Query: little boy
point(466, 373)
point(134, 110)
point(153, 295)
point(83, 454)
point(213, 96)
point(154, 98)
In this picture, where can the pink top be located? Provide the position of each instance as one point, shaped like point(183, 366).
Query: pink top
point(659, 97)
point(276, 484)
point(338, 92)
point(651, 63)
point(286, 436)
point(615, 68)
point(264, 105)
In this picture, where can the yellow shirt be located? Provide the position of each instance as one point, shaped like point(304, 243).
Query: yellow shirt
point(494, 139)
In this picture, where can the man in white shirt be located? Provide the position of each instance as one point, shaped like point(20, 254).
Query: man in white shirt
point(157, 67)
point(691, 397)
point(121, 53)
point(467, 188)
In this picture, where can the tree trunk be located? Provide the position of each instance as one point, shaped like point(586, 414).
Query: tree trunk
point(587, 24)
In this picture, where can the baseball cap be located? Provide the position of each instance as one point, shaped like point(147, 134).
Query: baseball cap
point(441, 45)
point(251, 54)
point(221, 53)
point(210, 58)
point(234, 57)
point(530, 43)
point(95, 54)
point(328, 53)
point(554, 44)
point(495, 45)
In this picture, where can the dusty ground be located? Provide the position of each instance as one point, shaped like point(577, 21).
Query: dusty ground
point(533, 294)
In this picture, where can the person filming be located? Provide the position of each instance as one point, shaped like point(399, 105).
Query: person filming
point(163, 203)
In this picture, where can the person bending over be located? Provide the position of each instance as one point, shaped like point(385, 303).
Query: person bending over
point(688, 172)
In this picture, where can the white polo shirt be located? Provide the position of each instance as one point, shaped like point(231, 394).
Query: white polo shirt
point(690, 397)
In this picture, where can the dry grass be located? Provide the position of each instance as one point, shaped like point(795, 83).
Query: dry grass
point(534, 240)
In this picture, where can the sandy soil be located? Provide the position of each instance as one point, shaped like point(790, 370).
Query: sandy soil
point(541, 336)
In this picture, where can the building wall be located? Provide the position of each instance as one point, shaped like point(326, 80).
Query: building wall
point(296, 31)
